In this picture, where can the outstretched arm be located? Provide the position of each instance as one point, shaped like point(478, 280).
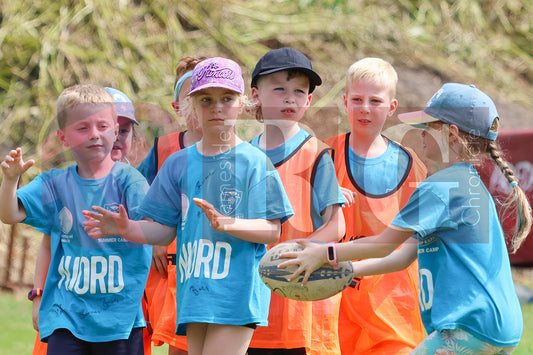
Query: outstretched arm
point(252, 230)
point(395, 261)
point(13, 166)
point(104, 223)
point(315, 255)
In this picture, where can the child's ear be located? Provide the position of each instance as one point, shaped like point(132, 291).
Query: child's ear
point(255, 96)
point(309, 98)
point(453, 132)
point(62, 138)
point(345, 103)
point(175, 106)
point(392, 107)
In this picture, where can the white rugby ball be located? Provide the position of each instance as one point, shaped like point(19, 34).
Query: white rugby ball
point(322, 283)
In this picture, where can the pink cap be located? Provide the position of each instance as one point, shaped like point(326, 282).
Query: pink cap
point(217, 73)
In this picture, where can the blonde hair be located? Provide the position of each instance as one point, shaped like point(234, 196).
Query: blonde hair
point(375, 70)
point(82, 94)
point(516, 201)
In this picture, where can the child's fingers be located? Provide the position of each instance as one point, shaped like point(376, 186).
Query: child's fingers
point(95, 233)
point(99, 209)
point(122, 211)
point(15, 153)
point(89, 225)
point(90, 215)
point(203, 204)
point(287, 263)
point(289, 255)
point(28, 165)
point(295, 275)
point(199, 202)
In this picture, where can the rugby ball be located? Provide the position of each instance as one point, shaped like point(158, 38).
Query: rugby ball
point(323, 283)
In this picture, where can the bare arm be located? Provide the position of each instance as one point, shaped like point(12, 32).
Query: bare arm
point(252, 230)
point(395, 261)
point(104, 223)
point(333, 227)
point(42, 263)
point(13, 166)
point(315, 255)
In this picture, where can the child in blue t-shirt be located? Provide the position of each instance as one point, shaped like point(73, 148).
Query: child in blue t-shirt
point(92, 298)
point(220, 296)
point(467, 297)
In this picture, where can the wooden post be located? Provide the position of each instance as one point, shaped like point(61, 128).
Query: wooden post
point(7, 276)
point(25, 246)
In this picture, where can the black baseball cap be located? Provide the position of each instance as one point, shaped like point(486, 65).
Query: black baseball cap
point(284, 59)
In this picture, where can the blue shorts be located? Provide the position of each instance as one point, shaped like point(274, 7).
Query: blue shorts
point(457, 341)
point(63, 342)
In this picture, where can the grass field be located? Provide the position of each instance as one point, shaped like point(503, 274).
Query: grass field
point(17, 334)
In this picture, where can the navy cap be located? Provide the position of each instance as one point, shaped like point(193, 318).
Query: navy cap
point(284, 59)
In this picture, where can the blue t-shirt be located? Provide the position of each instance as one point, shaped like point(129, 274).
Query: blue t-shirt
point(217, 277)
point(148, 167)
point(326, 190)
point(93, 287)
point(380, 175)
point(464, 269)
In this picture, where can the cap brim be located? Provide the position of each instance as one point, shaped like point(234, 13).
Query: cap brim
point(313, 76)
point(132, 119)
point(416, 118)
point(214, 85)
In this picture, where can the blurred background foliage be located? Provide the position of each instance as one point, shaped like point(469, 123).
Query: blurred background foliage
point(133, 45)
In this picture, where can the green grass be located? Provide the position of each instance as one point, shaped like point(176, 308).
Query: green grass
point(17, 335)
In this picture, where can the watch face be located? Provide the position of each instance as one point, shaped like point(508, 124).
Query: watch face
point(331, 253)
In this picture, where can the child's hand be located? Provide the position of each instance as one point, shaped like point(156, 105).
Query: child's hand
point(13, 165)
point(311, 258)
point(160, 259)
point(349, 196)
point(219, 222)
point(104, 223)
point(36, 303)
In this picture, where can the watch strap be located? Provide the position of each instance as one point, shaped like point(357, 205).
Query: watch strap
point(34, 293)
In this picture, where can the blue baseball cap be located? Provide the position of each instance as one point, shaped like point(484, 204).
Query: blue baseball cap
point(465, 106)
point(284, 59)
point(124, 105)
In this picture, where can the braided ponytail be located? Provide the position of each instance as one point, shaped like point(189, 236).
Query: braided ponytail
point(523, 210)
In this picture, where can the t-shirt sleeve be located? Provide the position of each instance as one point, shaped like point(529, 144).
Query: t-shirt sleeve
point(38, 201)
point(424, 213)
point(268, 200)
point(326, 190)
point(135, 194)
point(147, 167)
point(163, 201)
